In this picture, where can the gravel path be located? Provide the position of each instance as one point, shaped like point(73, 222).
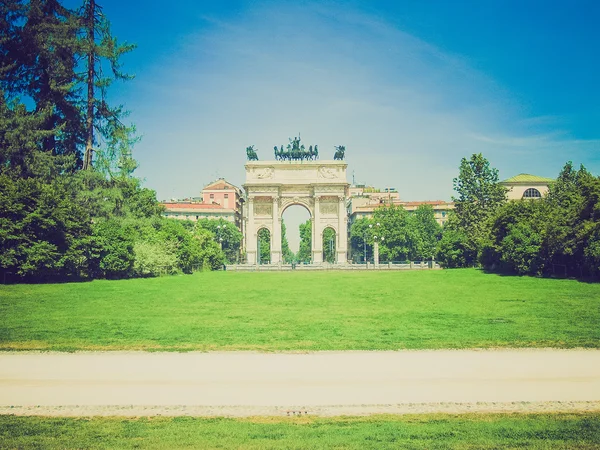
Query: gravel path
point(321, 383)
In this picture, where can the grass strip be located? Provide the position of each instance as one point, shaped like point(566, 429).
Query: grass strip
point(439, 431)
point(289, 311)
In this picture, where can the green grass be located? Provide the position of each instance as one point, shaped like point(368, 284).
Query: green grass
point(302, 311)
point(488, 431)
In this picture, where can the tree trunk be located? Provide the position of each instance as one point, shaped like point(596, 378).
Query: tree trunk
point(87, 162)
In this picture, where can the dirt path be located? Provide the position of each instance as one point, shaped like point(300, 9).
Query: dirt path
point(326, 383)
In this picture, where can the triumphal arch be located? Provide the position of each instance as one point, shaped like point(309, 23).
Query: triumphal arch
point(273, 186)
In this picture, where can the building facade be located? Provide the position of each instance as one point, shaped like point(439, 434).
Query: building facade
point(219, 200)
point(365, 200)
point(526, 186)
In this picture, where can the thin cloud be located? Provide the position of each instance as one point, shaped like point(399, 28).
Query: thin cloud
point(406, 111)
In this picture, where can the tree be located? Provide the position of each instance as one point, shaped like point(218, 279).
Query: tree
point(329, 245)
point(572, 228)
point(210, 256)
point(479, 195)
point(264, 247)
point(426, 232)
point(393, 223)
point(102, 51)
point(454, 249)
point(305, 248)
point(58, 222)
point(38, 61)
point(44, 232)
point(360, 238)
point(287, 255)
point(227, 234)
point(115, 248)
point(517, 232)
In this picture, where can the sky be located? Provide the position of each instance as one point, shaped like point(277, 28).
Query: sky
point(409, 87)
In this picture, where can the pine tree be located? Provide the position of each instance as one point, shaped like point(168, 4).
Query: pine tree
point(38, 61)
point(103, 122)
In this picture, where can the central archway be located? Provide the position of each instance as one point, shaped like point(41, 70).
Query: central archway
point(273, 186)
point(295, 219)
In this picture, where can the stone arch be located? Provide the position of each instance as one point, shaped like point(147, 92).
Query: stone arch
point(329, 226)
point(329, 245)
point(258, 246)
point(296, 202)
point(273, 186)
point(263, 227)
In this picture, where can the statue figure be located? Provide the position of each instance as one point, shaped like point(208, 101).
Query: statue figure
point(251, 153)
point(295, 150)
point(339, 152)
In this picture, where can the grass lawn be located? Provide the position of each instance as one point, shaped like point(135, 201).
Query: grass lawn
point(487, 431)
point(302, 311)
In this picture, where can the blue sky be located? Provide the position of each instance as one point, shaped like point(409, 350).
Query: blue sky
point(409, 87)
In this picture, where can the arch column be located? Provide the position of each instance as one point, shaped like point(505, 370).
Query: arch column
point(317, 234)
point(276, 234)
point(251, 237)
point(342, 234)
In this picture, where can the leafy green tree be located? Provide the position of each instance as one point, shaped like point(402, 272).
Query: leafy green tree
point(360, 238)
point(479, 195)
point(211, 256)
point(264, 241)
point(572, 229)
point(517, 232)
point(394, 224)
point(305, 248)
point(115, 247)
point(154, 258)
point(227, 234)
point(329, 245)
point(287, 254)
point(44, 232)
point(521, 247)
point(426, 232)
point(566, 202)
point(454, 249)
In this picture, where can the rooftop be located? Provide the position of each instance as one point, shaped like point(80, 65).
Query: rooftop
point(194, 206)
point(220, 184)
point(528, 178)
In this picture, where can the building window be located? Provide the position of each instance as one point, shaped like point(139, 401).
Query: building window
point(226, 195)
point(532, 193)
point(443, 213)
point(212, 195)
